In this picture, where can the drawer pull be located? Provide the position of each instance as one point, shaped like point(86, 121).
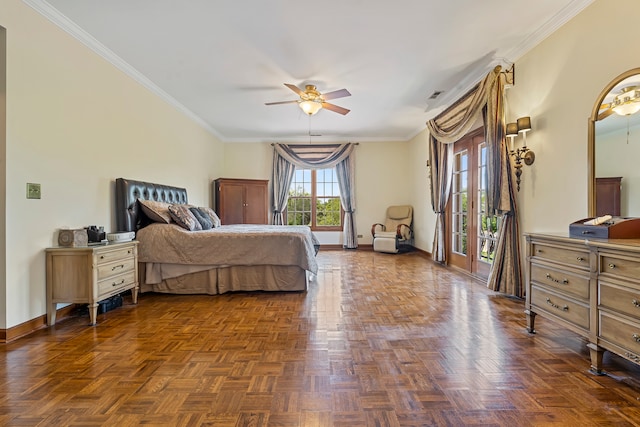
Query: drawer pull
point(563, 308)
point(580, 259)
point(612, 265)
point(117, 266)
point(563, 281)
point(632, 356)
point(129, 251)
point(636, 337)
point(635, 303)
point(118, 284)
point(540, 251)
point(101, 256)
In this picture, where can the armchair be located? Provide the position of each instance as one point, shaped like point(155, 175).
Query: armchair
point(396, 234)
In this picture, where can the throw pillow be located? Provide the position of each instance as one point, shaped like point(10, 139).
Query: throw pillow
point(156, 211)
point(212, 214)
point(203, 218)
point(184, 218)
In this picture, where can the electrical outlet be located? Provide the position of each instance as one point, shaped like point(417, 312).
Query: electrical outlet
point(33, 190)
point(359, 236)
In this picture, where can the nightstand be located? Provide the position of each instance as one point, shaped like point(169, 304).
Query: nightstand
point(88, 274)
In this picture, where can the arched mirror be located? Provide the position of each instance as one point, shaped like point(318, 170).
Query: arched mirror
point(614, 148)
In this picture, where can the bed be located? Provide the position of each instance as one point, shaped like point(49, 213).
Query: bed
point(222, 259)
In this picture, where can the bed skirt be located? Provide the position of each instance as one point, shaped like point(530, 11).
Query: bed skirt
point(229, 279)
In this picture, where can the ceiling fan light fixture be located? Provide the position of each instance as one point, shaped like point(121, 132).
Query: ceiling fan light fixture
point(627, 102)
point(310, 107)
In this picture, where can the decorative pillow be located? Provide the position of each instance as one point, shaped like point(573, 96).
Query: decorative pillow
point(184, 218)
point(212, 214)
point(156, 211)
point(203, 218)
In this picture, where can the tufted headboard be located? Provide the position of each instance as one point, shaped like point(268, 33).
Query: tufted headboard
point(128, 191)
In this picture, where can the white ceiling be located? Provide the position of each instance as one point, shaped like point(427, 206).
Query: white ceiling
point(219, 61)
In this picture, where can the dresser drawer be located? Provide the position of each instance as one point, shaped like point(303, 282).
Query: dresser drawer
point(565, 282)
point(620, 298)
point(106, 256)
point(115, 284)
point(621, 332)
point(562, 307)
point(615, 266)
point(115, 268)
point(572, 257)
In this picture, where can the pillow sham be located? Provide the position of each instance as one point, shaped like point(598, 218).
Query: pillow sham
point(184, 218)
point(202, 218)
point(156, 211)
point(212, 214)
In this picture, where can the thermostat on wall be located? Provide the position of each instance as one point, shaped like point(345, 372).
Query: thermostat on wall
point(124, 236)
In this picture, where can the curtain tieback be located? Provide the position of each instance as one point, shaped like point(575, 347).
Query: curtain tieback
point(349, 212)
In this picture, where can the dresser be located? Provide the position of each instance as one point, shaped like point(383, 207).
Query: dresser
point(86, 275)
point(241, 201)
point(591, 287)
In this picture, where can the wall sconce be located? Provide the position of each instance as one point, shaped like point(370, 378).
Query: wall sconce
point(523, 154)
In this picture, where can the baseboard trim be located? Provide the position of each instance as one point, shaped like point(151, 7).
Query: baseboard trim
point(342, 248)
point(30, 326)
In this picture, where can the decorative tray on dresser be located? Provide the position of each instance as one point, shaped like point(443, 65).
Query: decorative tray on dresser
point(591, 286)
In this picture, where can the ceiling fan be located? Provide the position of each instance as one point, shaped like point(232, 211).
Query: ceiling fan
point(311, 101)
point(625, 103)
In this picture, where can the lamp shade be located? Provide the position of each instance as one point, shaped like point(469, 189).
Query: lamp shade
point(512, 129)
point(310, 107)
point(524, 124)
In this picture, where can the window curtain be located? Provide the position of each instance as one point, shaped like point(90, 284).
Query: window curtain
point(486, 99)
point(281, 178)
point(322, 156)
point(441, 156)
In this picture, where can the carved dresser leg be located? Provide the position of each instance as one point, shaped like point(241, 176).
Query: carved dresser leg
point(531, 317)
point(596, 358)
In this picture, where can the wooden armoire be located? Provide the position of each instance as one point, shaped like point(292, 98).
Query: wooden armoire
point(608, 196)
point(241, 201)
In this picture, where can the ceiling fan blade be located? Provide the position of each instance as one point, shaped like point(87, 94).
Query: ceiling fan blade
point(335, 108)
point(294, 88)
point(605, 114)
point(280, 102)
point(335, 94)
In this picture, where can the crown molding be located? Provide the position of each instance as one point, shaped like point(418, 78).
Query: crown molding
point(58, 19)
point(548, 28)
point(474, 75)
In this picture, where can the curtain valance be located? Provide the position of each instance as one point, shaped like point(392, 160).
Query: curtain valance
point(314, 156)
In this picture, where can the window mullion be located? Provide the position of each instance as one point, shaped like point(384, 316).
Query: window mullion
point(314, 194)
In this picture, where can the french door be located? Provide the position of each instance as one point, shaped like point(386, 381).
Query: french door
point(471, 237)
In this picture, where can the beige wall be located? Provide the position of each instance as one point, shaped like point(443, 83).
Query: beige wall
point(74, 124)
point(557, 84)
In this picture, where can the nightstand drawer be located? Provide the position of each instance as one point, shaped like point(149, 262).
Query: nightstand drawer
point(105, 256)
point(620, 332)
point(563, 281)
point(115, 284)
point(118, 267)
point(571, 257)
point(560, 306)
point(620, 298)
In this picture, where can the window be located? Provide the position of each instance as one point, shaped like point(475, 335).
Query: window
point(314, 200)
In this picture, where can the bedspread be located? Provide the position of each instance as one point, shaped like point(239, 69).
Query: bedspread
point(228, 245)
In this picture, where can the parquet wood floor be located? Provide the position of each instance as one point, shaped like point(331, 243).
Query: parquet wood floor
point(378, 340)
